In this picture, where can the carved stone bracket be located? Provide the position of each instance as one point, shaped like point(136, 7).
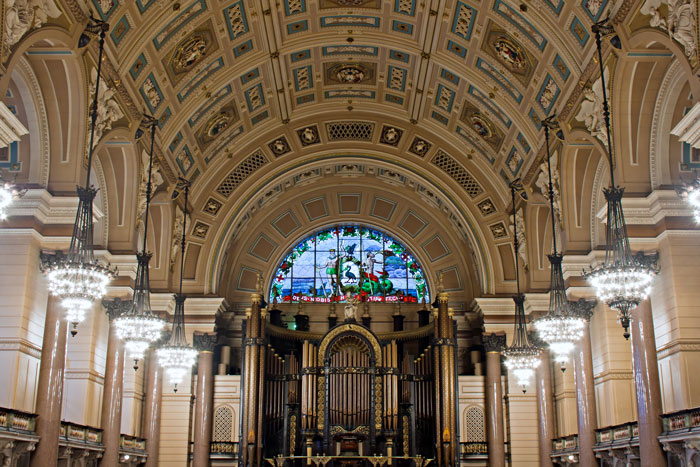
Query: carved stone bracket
point(494, 342)
point(583, 307)
point(115, 307)
point(204, 342)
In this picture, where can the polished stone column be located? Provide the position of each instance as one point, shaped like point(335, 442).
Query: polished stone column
point(495, 435)
point(204, 398)
point(585, 400)
point(545, 409)
point(150, 423)
point(111, 419)
point(50, 385)
point(646, 382)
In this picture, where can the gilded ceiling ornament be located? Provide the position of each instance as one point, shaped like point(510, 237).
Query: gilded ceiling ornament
point(350, 74)
point(419, 146)
point(279, 146)
point(217, 124)
point(191, 51)
point(481, 126)
point(510, 54)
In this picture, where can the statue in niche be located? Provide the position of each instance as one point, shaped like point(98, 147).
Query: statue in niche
point(591, 113)
point(351, 303)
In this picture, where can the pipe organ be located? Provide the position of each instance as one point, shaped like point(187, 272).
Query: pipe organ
point(349, 392)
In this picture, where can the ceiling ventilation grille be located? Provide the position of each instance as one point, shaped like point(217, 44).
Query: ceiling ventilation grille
point(339, 131)
point(241, 172)
point(455, 170)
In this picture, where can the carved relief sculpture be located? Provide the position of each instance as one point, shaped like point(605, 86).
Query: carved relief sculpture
point(23, 15)
point(522, 238)
point(591, 113)
point(108, 110)
point(542, 183)
point(156, 181)
point(680, 23)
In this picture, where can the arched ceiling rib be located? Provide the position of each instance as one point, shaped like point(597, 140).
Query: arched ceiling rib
point(216, 72)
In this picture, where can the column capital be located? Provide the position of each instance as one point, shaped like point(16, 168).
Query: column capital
point(494, 342)
point(204, 342)
point(115, 307)
point(583, 307)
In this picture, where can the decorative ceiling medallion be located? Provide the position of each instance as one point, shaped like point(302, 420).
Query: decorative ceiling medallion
point(391, 135)
point(420, 147)
point(350, 73)
point(509, 53)
point(279, 147)
point(192, 50)
point(498, 230)
point(200, 230)
point(216, 125)
point(375, 4)
point(486, 207)
point(308, 135)
point(212, 206)
point(482, 125)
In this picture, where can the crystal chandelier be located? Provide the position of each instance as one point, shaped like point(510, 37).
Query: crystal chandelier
point(139, 326)
point(76, 277)
point(177, 357)
point(623, 280)
point(521, 356)
point(561, 327)
point(8, 193)
point(691, 193)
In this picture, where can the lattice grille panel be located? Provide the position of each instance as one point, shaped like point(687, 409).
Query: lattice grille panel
point(241, 172)
point(223, 424)
point(350, 130)
point(475, 425)
point(455, 170)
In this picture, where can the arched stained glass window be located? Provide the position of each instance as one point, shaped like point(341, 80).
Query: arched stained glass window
point(349, 259)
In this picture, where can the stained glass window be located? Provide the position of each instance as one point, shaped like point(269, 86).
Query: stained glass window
point(361, 261)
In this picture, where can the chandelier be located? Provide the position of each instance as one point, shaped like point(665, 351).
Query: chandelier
point(8, 193)
point(138, 327)
point(691, 193)
point(561, 327)
point(622, 281)
point(177, 357)
point(76, 277)
point(522, 358)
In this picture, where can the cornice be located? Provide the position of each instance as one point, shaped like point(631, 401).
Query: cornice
point(652, 209)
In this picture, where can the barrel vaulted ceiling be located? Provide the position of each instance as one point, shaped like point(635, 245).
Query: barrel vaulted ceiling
point(440, 97)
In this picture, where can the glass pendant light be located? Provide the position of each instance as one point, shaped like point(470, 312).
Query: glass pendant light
point(177, 357)
point(561, 328)
point(522, 357)
point(622, 281)
point(8, 193)
point(139, 326)
point(76, 277)
point(691, 193)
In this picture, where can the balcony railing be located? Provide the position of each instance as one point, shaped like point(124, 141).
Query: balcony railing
point(473, 449)
point(224, 448)
point(688, 420)
point(566, 444)
point(16, 420)
point(625, 432)
point(132, 443)
point(80, 433)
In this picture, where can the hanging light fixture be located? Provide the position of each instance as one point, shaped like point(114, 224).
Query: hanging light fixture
point(177, 357)
point(8, 193)
point(139, 326)
point(691, 193)
point(561, 327)
point(522, 358)
point(76, 277)
point(623, 280)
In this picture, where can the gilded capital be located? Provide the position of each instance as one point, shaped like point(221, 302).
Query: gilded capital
point(115, 307)
point(443, 297)
point(583, 308)
point(204, 342)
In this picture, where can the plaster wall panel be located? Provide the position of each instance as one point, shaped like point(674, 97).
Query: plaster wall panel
point(522, 424)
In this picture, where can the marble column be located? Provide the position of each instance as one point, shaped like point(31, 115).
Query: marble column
point(150, 424)
point(585, 399)
point(204, 398)
point(495, 435)
point(50, 385)
point(646, 381)
point(545, 409)
point(111, 419)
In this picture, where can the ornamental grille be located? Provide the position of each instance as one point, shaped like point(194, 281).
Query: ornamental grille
point(474, 421)
point(455, 170)
point(223, 424)
point(241, 172)
point(350, 130)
